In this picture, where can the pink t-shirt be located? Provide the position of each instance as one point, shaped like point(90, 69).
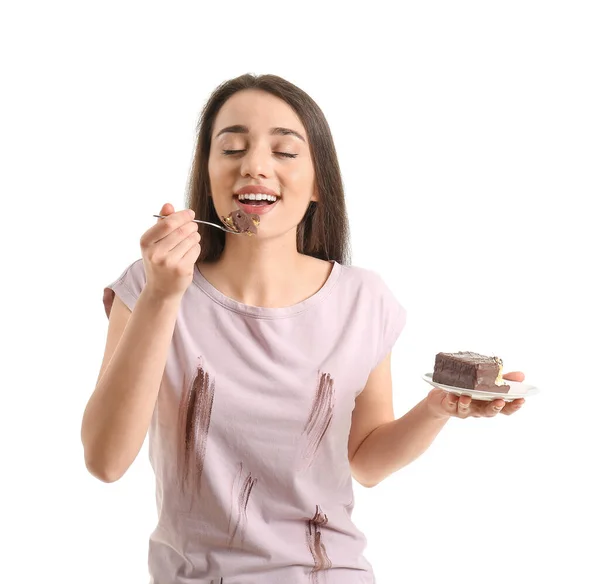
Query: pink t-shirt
point(249, 436)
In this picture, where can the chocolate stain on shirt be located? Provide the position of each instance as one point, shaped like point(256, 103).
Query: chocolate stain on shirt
point(195, 411)
point(315, 544)
point(240, 493)
point(319, 419)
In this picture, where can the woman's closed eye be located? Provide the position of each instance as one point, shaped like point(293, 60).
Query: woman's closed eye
point(284, 154)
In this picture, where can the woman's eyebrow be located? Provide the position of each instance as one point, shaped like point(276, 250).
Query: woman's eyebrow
point(238, 129)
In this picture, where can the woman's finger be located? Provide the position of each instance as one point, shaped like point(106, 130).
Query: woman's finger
point(166, 209)
point(171, 241)
point(450, 403)
point(514, 376)
point(513, 406)
point(191, 241)
point(494, 407)
point(463, 406)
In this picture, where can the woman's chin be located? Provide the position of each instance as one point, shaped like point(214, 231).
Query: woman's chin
point(268, 231)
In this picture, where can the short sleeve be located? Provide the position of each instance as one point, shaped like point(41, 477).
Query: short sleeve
point(391, 319)
point(128, 286)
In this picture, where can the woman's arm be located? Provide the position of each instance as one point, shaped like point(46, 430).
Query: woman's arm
point(118, 414)
point(379, 445)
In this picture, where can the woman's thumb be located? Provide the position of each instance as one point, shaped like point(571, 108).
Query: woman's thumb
point(167, 209)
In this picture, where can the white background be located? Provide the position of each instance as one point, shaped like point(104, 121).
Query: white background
point(475, 123)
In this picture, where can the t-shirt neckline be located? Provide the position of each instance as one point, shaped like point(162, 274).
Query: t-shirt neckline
point(265, 312)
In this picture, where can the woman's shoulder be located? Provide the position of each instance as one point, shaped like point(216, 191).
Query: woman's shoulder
point(350, 273)
point(370, 285)
point(134, 275)
point(128, 286)
point(363, 277)
point(373, 296)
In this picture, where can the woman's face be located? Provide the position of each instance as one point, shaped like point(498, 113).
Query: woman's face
point(258, 140)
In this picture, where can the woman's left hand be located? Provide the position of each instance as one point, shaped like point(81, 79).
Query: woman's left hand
point(443, 404)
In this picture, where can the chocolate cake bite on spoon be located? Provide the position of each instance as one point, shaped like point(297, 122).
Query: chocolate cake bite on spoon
point(241, 222)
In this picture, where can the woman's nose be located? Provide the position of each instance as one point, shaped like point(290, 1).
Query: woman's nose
point(257, 162)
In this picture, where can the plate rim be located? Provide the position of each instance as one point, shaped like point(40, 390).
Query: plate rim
point(428, 377)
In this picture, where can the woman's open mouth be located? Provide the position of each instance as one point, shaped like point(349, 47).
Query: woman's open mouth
point(258, 204)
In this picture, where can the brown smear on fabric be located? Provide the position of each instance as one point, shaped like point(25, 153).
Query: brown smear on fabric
point(195, 410)
point(320, 418)
point(240, 494)
point(316, 545)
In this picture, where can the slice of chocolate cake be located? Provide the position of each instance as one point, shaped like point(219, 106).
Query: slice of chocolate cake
point(469, 370)
point(241, 222)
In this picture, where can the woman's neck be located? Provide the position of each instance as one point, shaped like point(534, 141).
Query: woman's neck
point(268, 273)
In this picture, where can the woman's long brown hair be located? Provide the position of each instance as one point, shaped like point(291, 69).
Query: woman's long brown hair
point(323, 232)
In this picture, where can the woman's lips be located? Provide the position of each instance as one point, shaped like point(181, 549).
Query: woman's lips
point(255, 209)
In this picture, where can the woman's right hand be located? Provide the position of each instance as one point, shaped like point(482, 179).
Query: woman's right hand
point(169, 251)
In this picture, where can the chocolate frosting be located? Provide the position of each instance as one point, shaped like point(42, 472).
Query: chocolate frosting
point(469, 370)
point(242, 222)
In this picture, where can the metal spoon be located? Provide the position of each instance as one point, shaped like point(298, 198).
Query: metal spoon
point(206, 223)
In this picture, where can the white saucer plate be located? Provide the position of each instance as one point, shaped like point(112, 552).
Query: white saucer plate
point(516, 391)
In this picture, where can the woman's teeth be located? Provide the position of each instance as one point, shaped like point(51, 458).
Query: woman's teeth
point(260, 197)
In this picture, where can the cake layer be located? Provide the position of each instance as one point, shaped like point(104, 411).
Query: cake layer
point(469, 370)
point(241, 222)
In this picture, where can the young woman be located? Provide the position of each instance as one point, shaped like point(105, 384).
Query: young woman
point(260, 365)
